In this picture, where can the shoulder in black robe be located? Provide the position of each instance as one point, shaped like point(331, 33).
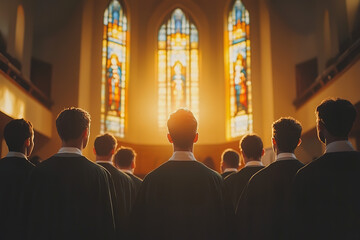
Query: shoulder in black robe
point(326, 199)
point(180, 200)
point(226, 174)
point(263, 207)
point(137, 181)
point(14, 175)
point(70, 199)
point(123, 196)
point(235, 183)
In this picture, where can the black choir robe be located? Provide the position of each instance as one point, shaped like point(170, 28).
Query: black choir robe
point(180, 200)
point(14, 175)
point(326, 199)
point(137, 181)
point(235, 183)
point(122, 197)
point(225, 174)
point(262, 211)
point(70, 199)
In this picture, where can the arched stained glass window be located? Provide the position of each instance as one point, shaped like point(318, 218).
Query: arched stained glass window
point(178, 66)
point(240, 118)
point(113, 83)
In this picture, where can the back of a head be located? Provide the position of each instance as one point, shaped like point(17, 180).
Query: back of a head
point(252, 146)
point(124, 157)
point(104, 144)
point(16, 132)
point(287, 132)
point(71, 123)
point(230, 158)
point(338, 116)
point(182, 127)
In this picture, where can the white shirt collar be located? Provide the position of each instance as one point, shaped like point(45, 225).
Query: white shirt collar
point(285, 156)
point(230, 170)
point(339, 146)
point(182, 156)
point(16, 154)
point(127, 171)
point(73, 150)
point(254, 163)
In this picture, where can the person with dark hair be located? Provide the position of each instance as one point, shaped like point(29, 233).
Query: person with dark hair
point(251, 147)
point(262, 209)
point(124, 160)
point(326, 196)
point(181, 199)
point(70, 196)
point(104, 149)
point(229, 163)
point(15, 170)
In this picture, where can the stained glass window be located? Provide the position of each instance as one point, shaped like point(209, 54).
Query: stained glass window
point(178, 66)
point(113, 83)
point(240, 119)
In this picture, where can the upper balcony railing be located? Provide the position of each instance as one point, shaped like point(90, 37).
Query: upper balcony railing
point(343, 62)
point(15, 75)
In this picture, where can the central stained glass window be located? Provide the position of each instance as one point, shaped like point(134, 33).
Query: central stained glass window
point(240, 119)
point(113, 83)
point(178, 66)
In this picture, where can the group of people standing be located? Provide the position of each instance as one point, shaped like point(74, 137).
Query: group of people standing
point(70, 197)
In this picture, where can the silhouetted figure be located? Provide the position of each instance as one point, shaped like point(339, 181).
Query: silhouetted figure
point(262, 210)
point(229, 162)
point(15, 169)
point(209, 162)
point(35, 160)
point(252, 150)
point(71, 196)
point(104, 149)
point(124, 160)
point(327, 191)
point(181, 199)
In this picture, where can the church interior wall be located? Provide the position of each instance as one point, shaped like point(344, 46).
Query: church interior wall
point(283, 34)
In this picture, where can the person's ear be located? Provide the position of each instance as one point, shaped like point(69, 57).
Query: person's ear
point(169, 138)
point(27, 142)
point(273, 141)
point(196, 138)
point(133, 164)
point(94, 151)
point(263, 152)
point(300, 141)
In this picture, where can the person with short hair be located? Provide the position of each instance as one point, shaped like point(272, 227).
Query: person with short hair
point(15, 170)
point(262, 209)
point(229, 162)
point(70, 195)
point(124, 160)
point(251, 149)
point(123, 196)
point(181, 199)
point(326, 196)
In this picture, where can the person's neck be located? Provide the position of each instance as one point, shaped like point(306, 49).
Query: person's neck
point(188, 149)
point(23, 151)
point(73, 143)
point(332, 139)
point(103, 158)
point(246, 160)
point(278, 152)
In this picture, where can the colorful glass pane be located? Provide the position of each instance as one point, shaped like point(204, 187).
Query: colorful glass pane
point(113, 83)
point(178, 66)
point(240, 118)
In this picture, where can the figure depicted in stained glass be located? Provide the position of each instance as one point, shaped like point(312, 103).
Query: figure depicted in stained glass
point(113, 85)
point(177, 65)
point(240, 119)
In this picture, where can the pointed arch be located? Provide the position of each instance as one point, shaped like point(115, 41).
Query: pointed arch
point(178, 65)
point(240, 118)
point(114, 75)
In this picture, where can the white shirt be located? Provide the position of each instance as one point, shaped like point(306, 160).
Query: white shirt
point(73, 150)
point(339, 146)
point(285, 156)
point(230, 170)
point(102, 161)
point(182, 156)
point(16, 154)
point(253, 163)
